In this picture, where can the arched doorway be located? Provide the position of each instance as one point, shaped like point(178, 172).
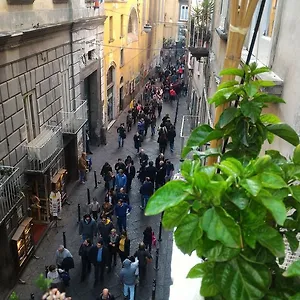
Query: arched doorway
point(121, 94)
point(110, 82)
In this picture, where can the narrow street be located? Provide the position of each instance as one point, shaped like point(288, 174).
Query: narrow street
point(136, 223)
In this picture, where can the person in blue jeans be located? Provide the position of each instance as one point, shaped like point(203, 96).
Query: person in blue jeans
point(121, 180)
point(127, 277)
point(121, 211)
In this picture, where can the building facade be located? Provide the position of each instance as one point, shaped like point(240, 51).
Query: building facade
point(130, 52)
point(51, 71)
point(273, 48)
point(176, 18)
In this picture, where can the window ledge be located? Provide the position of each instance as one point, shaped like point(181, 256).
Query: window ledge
point(269, 76)
point(19, 2)
point(222, 34)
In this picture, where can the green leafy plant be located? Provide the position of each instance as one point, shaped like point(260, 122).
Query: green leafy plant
point(14, 296)
point(43, 283)
point(234, 214)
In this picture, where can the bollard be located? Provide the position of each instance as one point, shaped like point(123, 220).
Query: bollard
point(46, 271)
point(88, 195)
point(95, 178)
point(153, 289)
point(156, 267)
point(64, 239)
point(160, 227)
point(32, 296)
point(79, 218)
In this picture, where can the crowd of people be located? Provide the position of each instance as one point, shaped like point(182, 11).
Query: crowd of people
point(103, 230)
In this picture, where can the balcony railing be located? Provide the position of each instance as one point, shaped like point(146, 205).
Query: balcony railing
point(73, 121)
point(11, 184)
point(44, 149)
point(18, 21)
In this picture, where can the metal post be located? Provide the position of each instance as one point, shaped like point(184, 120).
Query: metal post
point(156, 267)
point(153, 289)
point(95, 178)
point(32, 296)
point(64, 239)
point(160, 227)
point(176, 113)
point(79, 218)
point(88, 195)
point(46, 271)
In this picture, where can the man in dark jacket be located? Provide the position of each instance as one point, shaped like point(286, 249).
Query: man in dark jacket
point(143, 256)
point(99, 257)
point(122, 134)
point(87, 228)
point(104, 229)
point(150, 171)
point(85, 263)
point(130, 173)
point(120, 165)
point(171, 137)
point(123, 196)
point(146, 191)
point(161, 174)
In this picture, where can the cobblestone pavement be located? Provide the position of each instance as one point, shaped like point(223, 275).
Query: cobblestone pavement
point(137, 222)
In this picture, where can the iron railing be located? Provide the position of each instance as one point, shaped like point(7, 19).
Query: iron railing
point(44, 148)
point(72, 121)
point(11, 184)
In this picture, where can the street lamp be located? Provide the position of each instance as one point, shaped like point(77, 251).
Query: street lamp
point(147, 28)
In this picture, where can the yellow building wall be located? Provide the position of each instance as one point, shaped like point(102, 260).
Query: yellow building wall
point(171, 18)
point(141, 53)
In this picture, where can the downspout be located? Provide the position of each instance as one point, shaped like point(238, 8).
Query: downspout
point(71, 17)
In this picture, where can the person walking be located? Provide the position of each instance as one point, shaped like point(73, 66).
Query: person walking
point(61, 257)
point(143, 257)
point(87, 228)
point(120, 165)
point(105, 169)
point(107, 209)
point(137, 142)
point(129, 120)
point(147, 240)
point(162, 141)
point(153, 124)
point(104, 229)
point(123, 246)
point(99, 257)
point(121, 211)
point(94, 208)
point(55, 205)
point(122, 195)
point(113, 247)
point(84, 254)
point(82, 167)
point(122, 134)
point(87, 144)
point(110, 180)
point(150, 171)
point(106, 295)
point(56, 281)
point(146, 191)
point(169, 170)
point(161, 174)
point(130, 174)
point(171, 137)
point(121, 180)
point(128, 278)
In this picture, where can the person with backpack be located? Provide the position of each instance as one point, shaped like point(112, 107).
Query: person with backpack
point(122, 134)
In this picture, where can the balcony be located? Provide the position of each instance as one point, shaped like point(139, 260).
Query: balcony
point(73, 121)
point(10, 190)
point(44, 149)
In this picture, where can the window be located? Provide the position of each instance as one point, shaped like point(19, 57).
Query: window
point(110, 76)
point(184, 13)
point(122, 57)
point(132, 22)
point(66, 104)
point(111, 29)
point(122, 26)
point(263, 44)
point(31, 116)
